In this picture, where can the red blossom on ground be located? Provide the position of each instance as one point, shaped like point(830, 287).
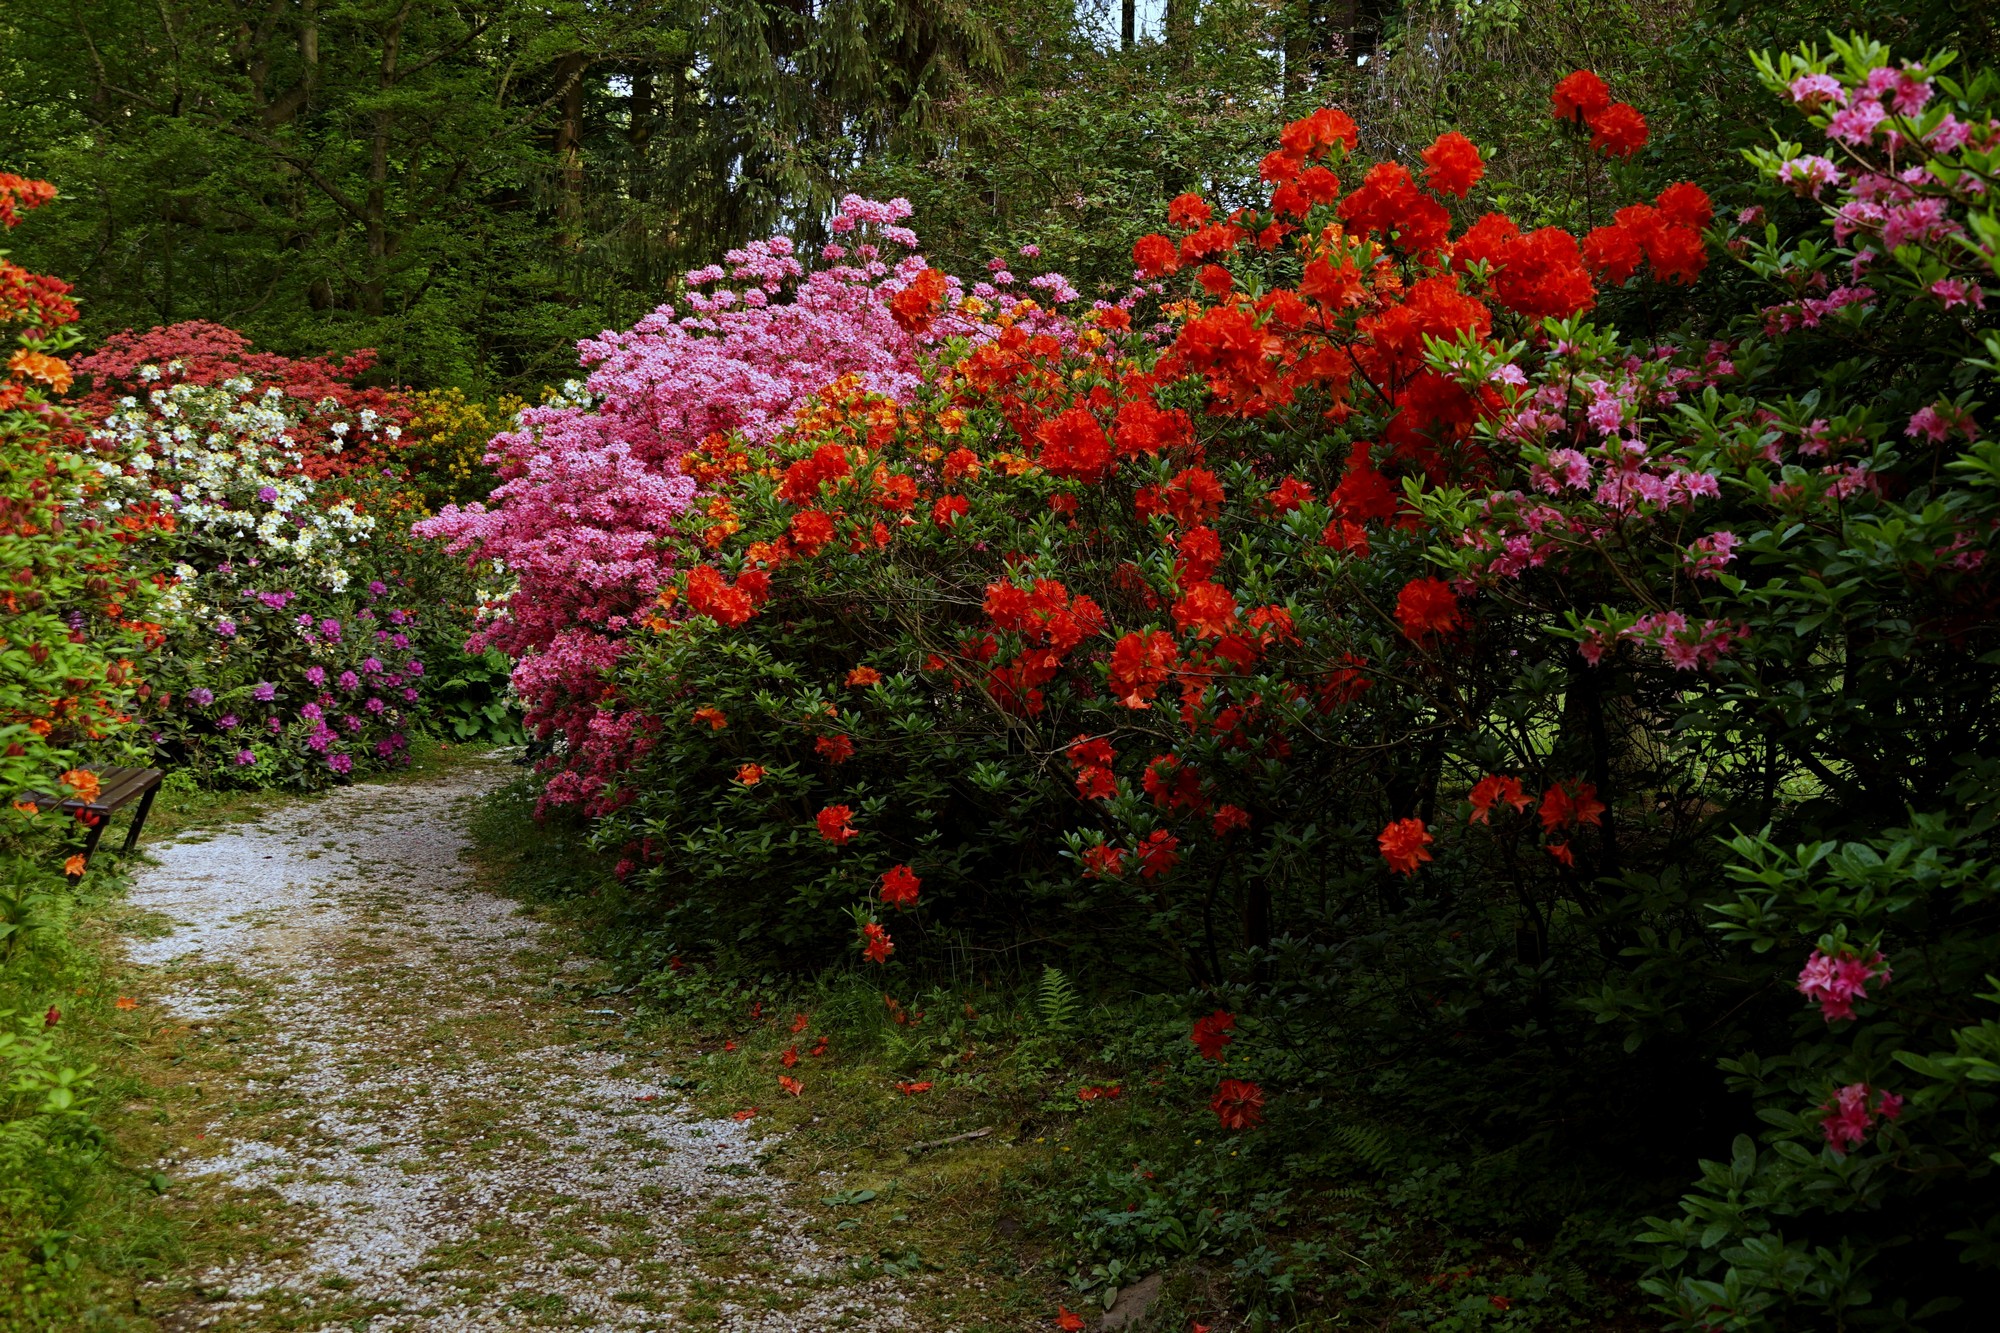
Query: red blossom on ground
point(790, 1085)
point(1238, 1104)
point(1212, 1033)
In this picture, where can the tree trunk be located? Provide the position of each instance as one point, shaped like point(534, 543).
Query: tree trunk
point(569, 151)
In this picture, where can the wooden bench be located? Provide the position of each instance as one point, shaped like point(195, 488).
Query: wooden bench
point(116, 789)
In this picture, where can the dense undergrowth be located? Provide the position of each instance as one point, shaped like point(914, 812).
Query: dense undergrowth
point(1081, 1175)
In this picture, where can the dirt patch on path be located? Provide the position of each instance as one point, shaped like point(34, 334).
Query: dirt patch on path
point(412, 1133)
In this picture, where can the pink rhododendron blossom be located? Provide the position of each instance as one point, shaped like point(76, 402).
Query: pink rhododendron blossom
point(1850, 1116)
point(1837, 981)
point(591, 486)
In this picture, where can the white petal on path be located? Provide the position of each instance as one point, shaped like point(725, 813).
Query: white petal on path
point(449, 1157)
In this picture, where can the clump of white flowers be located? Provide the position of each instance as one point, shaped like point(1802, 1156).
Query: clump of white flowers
point(223, 461)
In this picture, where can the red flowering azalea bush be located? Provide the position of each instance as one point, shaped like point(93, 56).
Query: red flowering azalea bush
point(1497, 720)
point(75, 617)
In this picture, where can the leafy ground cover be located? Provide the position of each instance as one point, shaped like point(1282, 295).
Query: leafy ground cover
point(994, 1135)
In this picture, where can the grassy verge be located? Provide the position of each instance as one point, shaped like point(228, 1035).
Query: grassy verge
point(1031, 1152)
point(90, 1101)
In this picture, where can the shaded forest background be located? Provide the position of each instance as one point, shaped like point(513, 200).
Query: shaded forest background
point(470, 187)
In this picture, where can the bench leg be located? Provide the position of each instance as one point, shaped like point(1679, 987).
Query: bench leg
point(90, 846)
point(138, 821)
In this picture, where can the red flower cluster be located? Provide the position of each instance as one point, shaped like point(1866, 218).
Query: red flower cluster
point(1427, 609)
point(1094, 779)
point(899, 887)
point(24, 193)
point(1238, 1104)
point(1212, 1033)
point(804, 479)
point(708, 595)
point(1493, 790)
point(836, 824)
point(918, 304)
point(1051, 622)
point(876, 946)
point(1140, 664)
point(1665, 234)
point(1616, 128)
point(1452, 164)
point(1405, 844)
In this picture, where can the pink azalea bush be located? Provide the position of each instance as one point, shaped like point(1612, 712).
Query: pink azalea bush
point(591, 484)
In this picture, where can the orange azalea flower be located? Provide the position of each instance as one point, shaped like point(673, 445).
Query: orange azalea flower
point(835, 749)
point(748, 1113)
point(715, 718)
point(1068, 1320)
point(790, 1057)
point(899, 887)
point(864, 675)
point(1404, 845)
point(790, 1084)
point(27, 808)
point(50, 370)
point(876, 944)
point(836, 824)
point(73, 867)
point(750, 774)
point(125, 1002)
point(799, 1022)
point(1492, 790)
point(83, 782)
point(912, 1089)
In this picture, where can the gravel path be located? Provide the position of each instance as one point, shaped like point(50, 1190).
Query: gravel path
point(429, 1136)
